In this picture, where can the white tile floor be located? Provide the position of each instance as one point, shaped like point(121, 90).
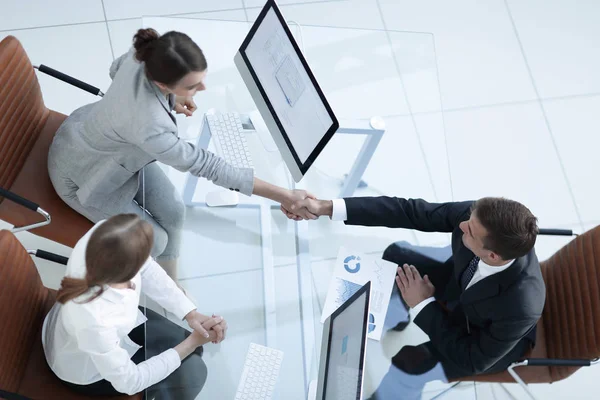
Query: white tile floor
point(520, 91)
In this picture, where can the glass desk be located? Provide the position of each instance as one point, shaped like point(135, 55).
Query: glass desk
point(267, 275)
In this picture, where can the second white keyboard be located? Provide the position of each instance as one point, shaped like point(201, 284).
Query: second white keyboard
point(230, 140)
point(260, 373)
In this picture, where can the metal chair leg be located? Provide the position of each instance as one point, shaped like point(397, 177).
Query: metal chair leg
point(511, 371)
point(508, 392)
point(517, 378)
point(446, 391)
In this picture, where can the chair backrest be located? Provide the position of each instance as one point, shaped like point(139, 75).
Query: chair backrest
point(571, 317)
point(22, 110)
point(22, 301)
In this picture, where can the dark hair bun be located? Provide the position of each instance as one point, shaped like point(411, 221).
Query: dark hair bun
point(143, 42)
point(168, 57)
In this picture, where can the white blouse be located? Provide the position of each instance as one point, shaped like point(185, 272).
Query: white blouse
point(87, 342)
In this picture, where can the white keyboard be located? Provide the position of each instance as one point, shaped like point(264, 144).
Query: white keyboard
point(230, 139)
point(260, 373)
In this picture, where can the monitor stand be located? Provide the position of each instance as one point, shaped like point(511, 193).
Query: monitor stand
point(312, 390)
point(253, 122)
point(373, 129)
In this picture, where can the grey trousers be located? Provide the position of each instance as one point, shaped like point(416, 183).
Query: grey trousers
point(157, 195)
point(400, 385)
point(407, 383)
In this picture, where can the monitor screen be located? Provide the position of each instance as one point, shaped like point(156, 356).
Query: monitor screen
point(288, 87)
point(344, 368)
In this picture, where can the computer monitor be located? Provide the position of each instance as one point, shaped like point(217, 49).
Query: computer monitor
point(343, 349)
point(285, 91)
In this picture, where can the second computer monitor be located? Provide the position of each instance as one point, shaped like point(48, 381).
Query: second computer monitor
point(285, 91)
point(343, 349)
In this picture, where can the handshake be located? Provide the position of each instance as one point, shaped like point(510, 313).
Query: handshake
point(301, 205)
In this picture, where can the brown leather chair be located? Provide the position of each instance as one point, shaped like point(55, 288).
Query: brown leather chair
point(567, 338)
point(24, 303)
point(27, 128)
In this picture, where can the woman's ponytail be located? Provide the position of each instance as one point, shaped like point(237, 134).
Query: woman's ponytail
point(71, 288)
point(115, 253)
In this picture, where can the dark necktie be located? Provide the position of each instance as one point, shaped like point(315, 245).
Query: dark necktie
point(469, 273)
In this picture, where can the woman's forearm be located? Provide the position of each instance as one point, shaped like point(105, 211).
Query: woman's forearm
point(186, 348)
point(192, 342)
point(269, 191)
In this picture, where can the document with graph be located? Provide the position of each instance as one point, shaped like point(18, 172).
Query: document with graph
point(352, 270)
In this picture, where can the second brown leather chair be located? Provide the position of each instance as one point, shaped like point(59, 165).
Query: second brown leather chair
point(567, 335)
point(24, 303)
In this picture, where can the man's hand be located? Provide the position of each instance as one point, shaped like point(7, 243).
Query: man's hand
point(185, 105)
point(414, 289)
point(203, 324)
point(295, 206)
point(314, 206)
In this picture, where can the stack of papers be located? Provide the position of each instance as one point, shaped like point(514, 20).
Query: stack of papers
point(352, 270)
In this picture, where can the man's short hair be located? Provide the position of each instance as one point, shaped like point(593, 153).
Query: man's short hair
point(512, 228)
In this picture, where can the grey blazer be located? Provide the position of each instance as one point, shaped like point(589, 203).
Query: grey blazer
point(101, 147)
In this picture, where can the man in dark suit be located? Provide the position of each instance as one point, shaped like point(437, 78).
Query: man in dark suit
point(480, 307)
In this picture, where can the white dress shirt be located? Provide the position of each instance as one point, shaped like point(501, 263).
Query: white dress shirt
point(340, 213)
point(87, 342)
point(483, 271)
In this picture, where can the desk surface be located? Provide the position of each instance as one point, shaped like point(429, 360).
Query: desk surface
point(363, 73)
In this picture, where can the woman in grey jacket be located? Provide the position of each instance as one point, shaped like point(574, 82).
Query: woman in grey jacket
point(98, 153)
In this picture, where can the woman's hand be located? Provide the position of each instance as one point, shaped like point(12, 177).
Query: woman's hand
point(193, 341)
point(206, 326)
point(185, 105)
point(223, 325)
point(198, 339)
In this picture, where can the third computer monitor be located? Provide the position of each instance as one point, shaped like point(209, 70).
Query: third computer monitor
point(343, 349)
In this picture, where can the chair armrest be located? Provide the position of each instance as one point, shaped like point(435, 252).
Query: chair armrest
point(27, 204)
point(19, 200)
point(46, 255)
point(556, 232)
point(12, 396)
point(70, 80)
point(557, 362)
point(545, 362)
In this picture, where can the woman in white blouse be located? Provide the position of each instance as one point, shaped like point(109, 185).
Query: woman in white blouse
point(93, 335)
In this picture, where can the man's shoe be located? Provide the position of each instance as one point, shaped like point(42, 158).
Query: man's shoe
point(401, 325)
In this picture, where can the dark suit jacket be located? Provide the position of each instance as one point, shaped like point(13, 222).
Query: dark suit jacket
point(494, 321)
